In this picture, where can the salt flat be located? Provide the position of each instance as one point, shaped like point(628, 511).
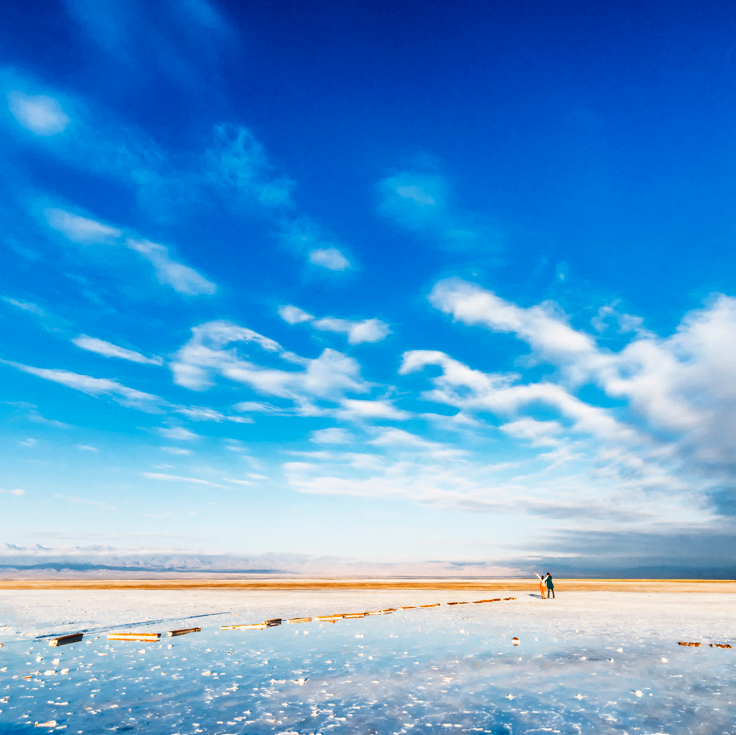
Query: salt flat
point(589, 661)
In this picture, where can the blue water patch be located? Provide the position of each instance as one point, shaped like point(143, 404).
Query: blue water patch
point(409, 672)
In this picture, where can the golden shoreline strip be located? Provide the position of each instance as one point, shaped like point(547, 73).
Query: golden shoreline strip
point(182, 631)
point(198, 581)
point(64, 640)
point(133, 636)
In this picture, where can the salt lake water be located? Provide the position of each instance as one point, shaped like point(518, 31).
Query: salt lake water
point(449, 669)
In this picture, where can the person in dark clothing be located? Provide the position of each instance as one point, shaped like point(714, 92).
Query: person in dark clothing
point(550, 586)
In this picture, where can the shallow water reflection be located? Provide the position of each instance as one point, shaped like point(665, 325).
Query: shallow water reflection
point(409, 671)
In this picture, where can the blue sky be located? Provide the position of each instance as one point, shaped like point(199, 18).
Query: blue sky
point(447, 283)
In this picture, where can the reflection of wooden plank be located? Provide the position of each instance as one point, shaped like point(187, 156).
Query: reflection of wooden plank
point(300, 620)
point(436, 604)
point(182, 631)
point(133, 636)
point(66, 639)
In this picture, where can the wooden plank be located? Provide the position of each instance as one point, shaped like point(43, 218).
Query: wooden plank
point(436, 604)
point(66, 639)
point(299, 620)
point(354, 615)
point(458, 603)
point(408, 607)
point(248, 626)
point(330, 618)
point(133, 636)
point(182, 631)
point(495, 599)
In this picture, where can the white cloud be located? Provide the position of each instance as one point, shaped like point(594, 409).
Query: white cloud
point(40, 114)
point(304, 235)
point(107, 349)
point(671, 426)
point(330, 258)
point(87, 448)
point(294, 315)
point(178, 433)
point(17, 491)
point(358, 331)
point(356, 410)
point(539, 433)
point(543, 327)
point(176, 450)
point(209, 353)
point(95, 386)
point(367, 330)
point(177, 478)
point(332, 436)
point(81, 230)
point(181, 278)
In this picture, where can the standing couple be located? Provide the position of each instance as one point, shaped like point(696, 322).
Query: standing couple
point(546, 583)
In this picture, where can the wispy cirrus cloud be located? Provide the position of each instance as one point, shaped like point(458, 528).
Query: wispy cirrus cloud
point(84, 501)
point(107, 349)
point(18, 492)
point(177, 478)
point(98, 387)
point(82, 230)
point(422, 203)
point(39, 113)
point(170, 272)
